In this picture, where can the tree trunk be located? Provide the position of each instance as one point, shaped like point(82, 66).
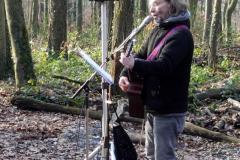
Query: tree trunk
point(46, 12)
point(79, 14)
point(110, 22)
point(9, 65)
point(96, 15)
point(214, 32)
point(29, 18)
point(95, 12)
point(223, 14)
point(23, 65)
point(123, 25)
point(71, 15)
point(189, 128)
point(57, 28)
point(35, 20)
point(3, 49)
point(207, 21)
point(193, 4)
point(228, 19)
point(143, 8)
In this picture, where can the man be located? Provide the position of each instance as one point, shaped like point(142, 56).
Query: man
point(166, 77)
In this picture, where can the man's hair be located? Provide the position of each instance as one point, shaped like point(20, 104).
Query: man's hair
point(177, 6)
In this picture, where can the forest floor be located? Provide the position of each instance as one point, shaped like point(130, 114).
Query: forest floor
point(41, 135)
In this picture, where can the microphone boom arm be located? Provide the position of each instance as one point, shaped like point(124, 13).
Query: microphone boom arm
point(135, 31)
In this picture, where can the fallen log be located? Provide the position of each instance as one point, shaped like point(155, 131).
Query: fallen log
point(29, 103)
point(194, 130)
point(202, 132)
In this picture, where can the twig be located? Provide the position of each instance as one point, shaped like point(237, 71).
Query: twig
point(67, 79)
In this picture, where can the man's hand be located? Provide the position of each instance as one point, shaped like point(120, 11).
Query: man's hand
point(123, 83)
point(128, 62)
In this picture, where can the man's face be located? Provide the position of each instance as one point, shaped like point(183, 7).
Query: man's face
point(159, 9)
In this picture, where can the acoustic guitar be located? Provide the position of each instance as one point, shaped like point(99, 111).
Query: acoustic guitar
point(136, 107)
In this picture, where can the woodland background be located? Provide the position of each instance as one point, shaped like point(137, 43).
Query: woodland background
point(38, 71)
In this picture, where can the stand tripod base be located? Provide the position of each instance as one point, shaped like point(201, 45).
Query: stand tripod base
point(94, 152)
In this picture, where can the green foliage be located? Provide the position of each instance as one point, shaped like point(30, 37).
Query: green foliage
point(237, 38)
point(198, 52)
point(74, 68)
point(225, 64)
point(87, 39)
point(200, 75)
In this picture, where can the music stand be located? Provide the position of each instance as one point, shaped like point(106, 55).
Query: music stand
point(105, 78)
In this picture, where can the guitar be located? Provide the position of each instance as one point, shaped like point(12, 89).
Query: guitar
point(136, 107)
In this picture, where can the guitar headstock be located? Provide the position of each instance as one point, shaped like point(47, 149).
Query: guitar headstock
point(129, 47)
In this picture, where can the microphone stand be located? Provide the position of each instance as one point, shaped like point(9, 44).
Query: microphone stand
point(86, 90)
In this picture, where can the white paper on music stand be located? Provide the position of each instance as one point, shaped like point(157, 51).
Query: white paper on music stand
point(106, 76)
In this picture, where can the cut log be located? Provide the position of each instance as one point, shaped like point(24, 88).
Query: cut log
point(220, 125)
point(216, 93)
point(236, 104)
point(29, 103)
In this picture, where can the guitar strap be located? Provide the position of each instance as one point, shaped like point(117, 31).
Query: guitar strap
point(156, 50)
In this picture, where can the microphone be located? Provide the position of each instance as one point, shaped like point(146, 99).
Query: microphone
point(145, 22)
point(135, 31)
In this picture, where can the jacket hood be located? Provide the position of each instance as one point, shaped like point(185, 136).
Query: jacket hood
point(182, 17)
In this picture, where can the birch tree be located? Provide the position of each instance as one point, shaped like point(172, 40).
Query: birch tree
point(215, 25)
point(207, 20)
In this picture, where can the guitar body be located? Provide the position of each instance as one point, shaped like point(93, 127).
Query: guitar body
point(136, 107)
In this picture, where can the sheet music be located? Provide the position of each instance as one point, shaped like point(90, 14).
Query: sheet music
point(106, 76)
